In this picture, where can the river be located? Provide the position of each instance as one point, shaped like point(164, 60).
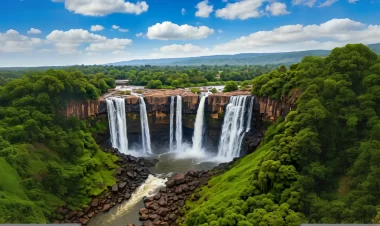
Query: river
point(128, 211)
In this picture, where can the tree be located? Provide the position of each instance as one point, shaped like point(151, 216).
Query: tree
point(230, 86)
point(214, 90)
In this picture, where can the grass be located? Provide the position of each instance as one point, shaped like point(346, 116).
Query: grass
point(227, 186)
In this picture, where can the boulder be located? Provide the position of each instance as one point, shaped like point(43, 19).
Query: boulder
point(196, 197)
point(143, 211)
point(144, 217)
point(127, 195)
point(106, 207)
point(163, 212)
point(83, 220)
point(148, 223)
point(115, 188)
point(192, 173)
point(172, 217)
point(122, 184)
point(152, 216)
point(131, 174)
point(157, 196)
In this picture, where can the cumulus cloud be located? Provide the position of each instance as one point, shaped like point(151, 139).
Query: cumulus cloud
point(220, 31)
point(67, 42)
point(183, 11)
point(242, 10)
point(277, 9)
point(203, 9)
point(34, 31)
point(110, 45)
point(139, 34)
point(176, 50)
point(352, 1)
point(170, 31)
point(327, 3)
point(104, 7)
point(116, 27)
point(12, 41)
point(333, 33)
point(97, 28)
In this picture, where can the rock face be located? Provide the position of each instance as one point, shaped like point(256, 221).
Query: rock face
point(131, 174)
point(158, 109)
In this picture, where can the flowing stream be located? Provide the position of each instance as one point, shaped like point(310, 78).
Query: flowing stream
point(117, 123)
point(144, 127)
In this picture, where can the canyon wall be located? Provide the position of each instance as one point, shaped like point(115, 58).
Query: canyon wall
point(158, 109)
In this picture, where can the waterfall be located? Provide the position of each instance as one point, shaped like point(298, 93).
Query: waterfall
point(233, 127)
point(171, 141)
point(198, 126)
point(144, 127)
point(250, 114)
point(117, 123)
point(178, 129)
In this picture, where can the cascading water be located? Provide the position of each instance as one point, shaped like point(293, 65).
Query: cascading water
point(171, 141)
point(178, 129)
point(144, 127)
point(233, 127)
point(117, 123)
point(198, 126)
point(250, 114)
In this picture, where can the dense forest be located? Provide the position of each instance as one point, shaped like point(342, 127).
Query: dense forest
point(319, 164)
point(45, 159)
point(179, 76)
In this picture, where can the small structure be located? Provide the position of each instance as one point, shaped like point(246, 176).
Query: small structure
point(122, 82)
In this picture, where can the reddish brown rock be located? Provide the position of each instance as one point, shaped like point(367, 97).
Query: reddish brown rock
point(106, 207)
point(143, 211)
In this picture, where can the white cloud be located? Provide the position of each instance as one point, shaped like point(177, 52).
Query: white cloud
point(352, 1)
point(12, 41)
point(183, 11)
point(224, 0)
point(109, 45)
point(333, 33)
point(203, 9)
point(104, 7)
point(327, 3)
point(277, 9)
point(34, 31)
point(67, 42)
point(309, 3)
point(242, 10)
point(170, 31)
point(220, 31)
point(97, 28)
point(116, 27)
point(139, 34)
point(181, 51)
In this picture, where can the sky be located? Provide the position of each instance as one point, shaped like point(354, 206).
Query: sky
point(67, 32)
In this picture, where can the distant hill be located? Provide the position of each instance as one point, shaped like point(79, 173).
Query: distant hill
point(286, 58)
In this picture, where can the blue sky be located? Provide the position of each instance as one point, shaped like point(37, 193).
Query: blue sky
point(64, 32)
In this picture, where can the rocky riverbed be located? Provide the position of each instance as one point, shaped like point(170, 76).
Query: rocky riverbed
point(132, 172)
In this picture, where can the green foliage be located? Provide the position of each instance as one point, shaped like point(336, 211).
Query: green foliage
point(332, 134)
point(213, 90)
point(195, 90)
point(46, 159)
point(230, 86)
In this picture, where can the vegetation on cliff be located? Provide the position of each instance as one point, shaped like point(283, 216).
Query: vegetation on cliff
point(318, 165)
point(47, 160)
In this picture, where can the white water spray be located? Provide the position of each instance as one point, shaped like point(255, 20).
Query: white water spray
point(178, 129)
point(144, 127)
point(117, 123)
point(171, 141)
point(198, 126)
point(233, 127)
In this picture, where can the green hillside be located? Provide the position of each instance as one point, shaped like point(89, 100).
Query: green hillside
point(320, 164)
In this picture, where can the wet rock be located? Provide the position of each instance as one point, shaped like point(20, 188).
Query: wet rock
point(163, 190)
point(162, 201)
point(131, 174)
point(152, 216)
point(163, 212)
point(91, 214)
point(122, 184)
point(154, 206)
point(80, 214)
point(157, 196)
point(115, 188)
point(148, 223)
point(127, 195)
point(192, 173)
point(83, 220)
point(148, 199)
point(143, 211)
point(164, 224)
point(144, 217)
point(172, 217)
point(106, 207)
point(196, 197)
point(120, 199)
